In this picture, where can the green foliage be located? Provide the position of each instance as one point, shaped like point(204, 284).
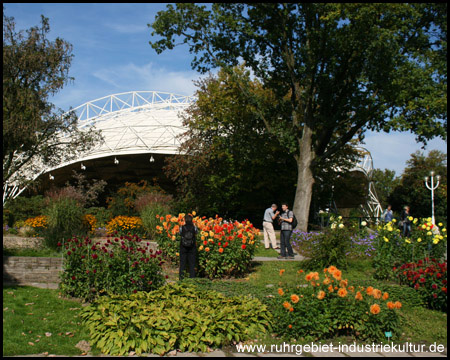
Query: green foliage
point(22, 208)
point(149, 220)
point(177, 316)
point(330, 246)
point(385, 182)
point(119, 266)
point(324, 308)
point(412, 191)
point(226, 170)
point(65, 219)
point(102, 215)
point(133, 197)
point(34, 70)
point(331, 70)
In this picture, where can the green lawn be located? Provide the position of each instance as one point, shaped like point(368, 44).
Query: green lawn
point(31, 313)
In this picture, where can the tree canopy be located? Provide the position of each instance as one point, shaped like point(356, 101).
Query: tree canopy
point(412, 191)
point(336, 70)
point(34, 132)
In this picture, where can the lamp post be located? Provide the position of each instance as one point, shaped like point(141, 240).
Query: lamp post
point(432, 188)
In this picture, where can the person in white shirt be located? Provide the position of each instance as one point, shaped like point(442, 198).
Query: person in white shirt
point(269, 233)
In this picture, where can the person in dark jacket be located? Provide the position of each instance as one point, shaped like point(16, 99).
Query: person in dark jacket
point(405, 218)
point(188, 246)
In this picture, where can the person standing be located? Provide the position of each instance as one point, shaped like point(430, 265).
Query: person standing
point(406, 221)
point(388, 214)
point(286, 218)
point(269, 233)
point(188, 246)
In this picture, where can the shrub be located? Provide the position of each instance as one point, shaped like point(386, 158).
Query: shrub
point(133, 197)
point(192, 320)
point(428, 277)
point(330, 307)
point(119, 266)
point(65, 219)
point(125, 225)
point(331, 247)
point(102, 215)
point(224, 249)
point(85, 193)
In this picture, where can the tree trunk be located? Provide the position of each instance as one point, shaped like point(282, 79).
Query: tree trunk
point(305, 181)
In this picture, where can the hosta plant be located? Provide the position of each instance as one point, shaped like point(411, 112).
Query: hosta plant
point(177, 316)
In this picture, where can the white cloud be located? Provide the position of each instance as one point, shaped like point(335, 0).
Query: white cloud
point(127, 28)
point(148, 77)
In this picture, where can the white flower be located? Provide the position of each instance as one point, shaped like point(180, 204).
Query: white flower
point(363, 223)
point(341, 226)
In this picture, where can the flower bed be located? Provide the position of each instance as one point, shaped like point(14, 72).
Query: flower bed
point(224, 249)
point(122, 265)
point(326, 306)
point(429, 277)
point(426, 241)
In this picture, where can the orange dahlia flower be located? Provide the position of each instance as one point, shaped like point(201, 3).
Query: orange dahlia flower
point(376, 293)
point(342, 292)
point(398, 304)
point(280, 292)
point(358, 296)
point(385, 296)
point(369, 290)
point(287, 305)
point(295, 298)
point(321, 295)
point(375, 309)
point(390, 305)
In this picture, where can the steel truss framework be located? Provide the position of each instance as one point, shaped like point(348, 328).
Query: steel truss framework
point(149, 122)
point(365, 165)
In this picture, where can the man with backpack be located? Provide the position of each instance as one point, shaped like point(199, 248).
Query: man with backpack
point(288, 223)
point(188, 246)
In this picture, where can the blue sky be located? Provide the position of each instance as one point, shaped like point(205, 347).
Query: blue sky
point(112, 55)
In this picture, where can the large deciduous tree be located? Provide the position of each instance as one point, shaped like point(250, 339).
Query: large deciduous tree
point(35, 134)
point(231, 164)
point(337, 70)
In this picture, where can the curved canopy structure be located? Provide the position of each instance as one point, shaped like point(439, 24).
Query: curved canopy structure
point(137, 122)
point(134, 122)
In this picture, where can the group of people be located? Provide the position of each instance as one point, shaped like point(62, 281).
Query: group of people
point(404, 223)
point(285, 218)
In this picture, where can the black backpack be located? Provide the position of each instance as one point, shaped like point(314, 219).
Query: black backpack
point(294, 221)
point(188, 236)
